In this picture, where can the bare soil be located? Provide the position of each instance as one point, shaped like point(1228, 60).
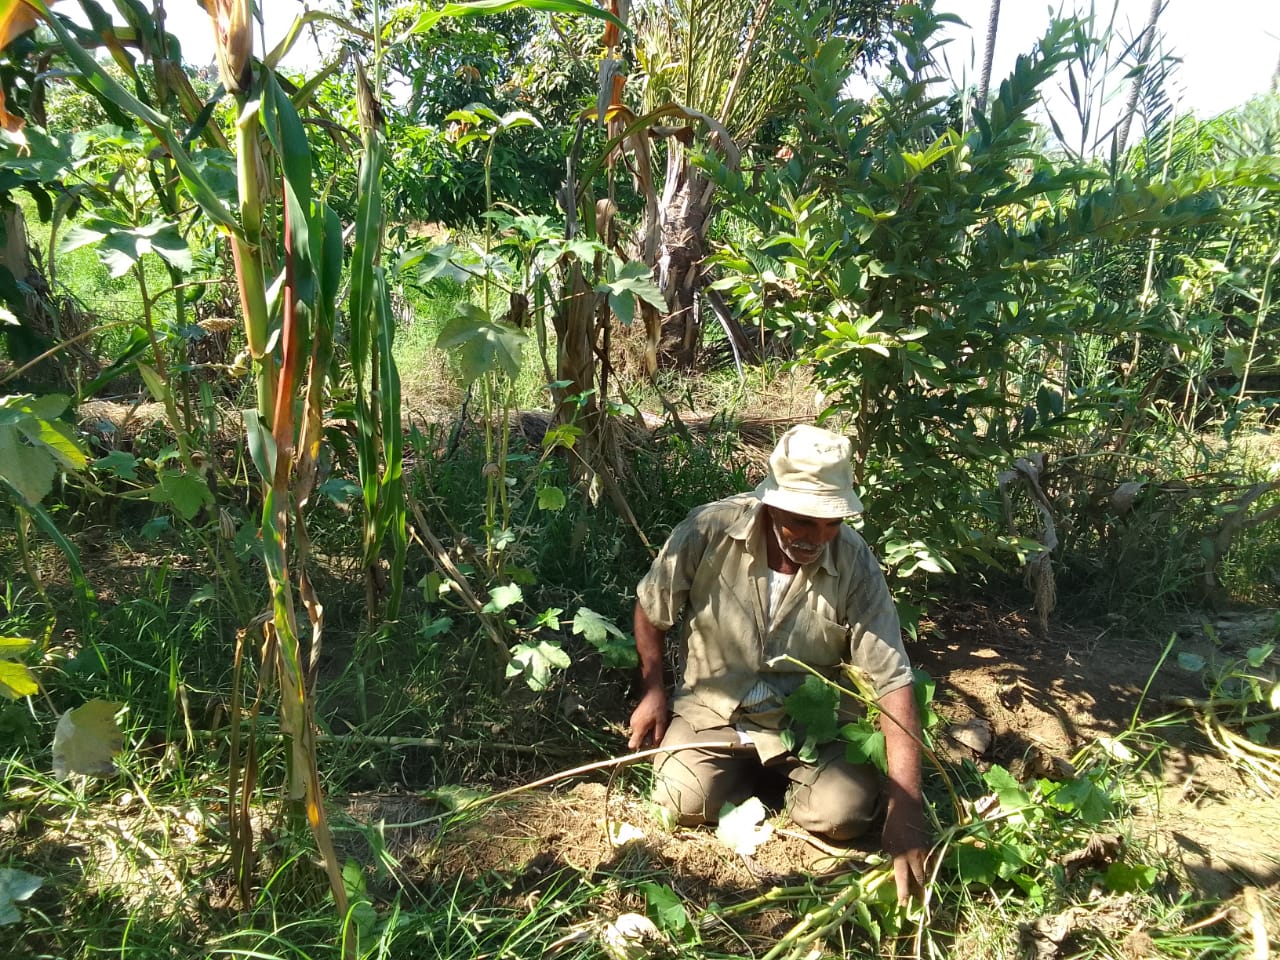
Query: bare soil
point(1046, 699)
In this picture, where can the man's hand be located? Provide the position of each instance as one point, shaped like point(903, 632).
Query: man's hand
point(649, 720)
point(904, 840)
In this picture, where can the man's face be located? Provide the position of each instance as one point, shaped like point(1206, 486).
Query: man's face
point(802, 538)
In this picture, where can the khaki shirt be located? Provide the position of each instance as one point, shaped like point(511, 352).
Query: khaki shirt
point(837, 610)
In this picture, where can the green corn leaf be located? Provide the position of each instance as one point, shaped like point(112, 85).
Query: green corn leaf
point(156, 386)
point(262, 445)
point(392, 515)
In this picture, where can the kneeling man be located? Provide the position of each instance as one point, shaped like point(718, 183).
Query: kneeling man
point(758, 576)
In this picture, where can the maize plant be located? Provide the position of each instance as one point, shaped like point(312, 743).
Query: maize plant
point(285, 238)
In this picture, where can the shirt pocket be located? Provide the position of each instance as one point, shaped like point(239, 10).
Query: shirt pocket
point(818, 640)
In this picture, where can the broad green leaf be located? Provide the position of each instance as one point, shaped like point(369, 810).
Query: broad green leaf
point(435, 628)
point(353, 880)
point(614, 646)
point(123, 465)
point(562, 435)
point(536, 663)
point(481, 343)
point(743, 828)
point(864, 745)
point(1236, 355)
point(1012, 796)
point(551, 498)
point(120, 245)
point(16, 680)
point(1191, 662)
point(13, 647)
point(15, 886)
point(814, 705)
point(1085, 797)
point(58, 439)
point(1129, 878)
point(518, 118)
point(86, 739)
point(665, 904)
point(501, 597)
point(454, 797)
point(339, 489)
point(593, 627)
point(438, 262)
point(156, 527)
point(185, 492)
point(1257, 656)
point(549, 618)
point(633, 279)
point(30, 471)
point(1259, 733)
point(975, 864)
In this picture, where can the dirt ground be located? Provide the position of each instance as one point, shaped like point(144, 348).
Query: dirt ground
point(1050, 696)
point(1045, 698)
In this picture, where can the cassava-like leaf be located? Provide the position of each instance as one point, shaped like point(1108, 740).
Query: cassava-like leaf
point(536, 663)
point(482, 344)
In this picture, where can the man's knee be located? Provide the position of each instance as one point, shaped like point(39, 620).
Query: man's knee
point(695, 784)
point(841, 802)
point(686, 802)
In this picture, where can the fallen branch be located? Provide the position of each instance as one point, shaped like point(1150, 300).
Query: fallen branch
point(434, 743)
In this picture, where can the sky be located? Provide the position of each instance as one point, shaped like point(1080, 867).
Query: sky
point(1229, 48)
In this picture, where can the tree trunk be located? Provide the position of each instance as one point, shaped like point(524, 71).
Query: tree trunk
point(1144, 56)
point(988, 56)
point(684, 214)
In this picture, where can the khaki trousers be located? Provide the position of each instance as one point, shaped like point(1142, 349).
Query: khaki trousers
point(832, 797)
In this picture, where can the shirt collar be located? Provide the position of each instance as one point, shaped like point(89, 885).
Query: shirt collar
point(753, 518)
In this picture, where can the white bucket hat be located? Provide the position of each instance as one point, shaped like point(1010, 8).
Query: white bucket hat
point(810, 474)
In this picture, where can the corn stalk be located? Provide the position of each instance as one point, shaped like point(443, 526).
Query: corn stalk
point(373, 367)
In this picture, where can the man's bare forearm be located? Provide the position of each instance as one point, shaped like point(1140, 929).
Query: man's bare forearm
point(900, 722)
point(649, 646)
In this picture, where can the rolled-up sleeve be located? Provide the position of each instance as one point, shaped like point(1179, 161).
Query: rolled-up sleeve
point(664, 590)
